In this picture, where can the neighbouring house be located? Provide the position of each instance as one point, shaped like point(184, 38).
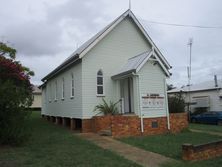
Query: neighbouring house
point(119, 62)
point(37, 98)
point(205, 96)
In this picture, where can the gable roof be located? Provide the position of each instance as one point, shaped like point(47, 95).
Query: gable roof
point(134, 64)
point(88, 45)
point(204, 86)
point(36, 90)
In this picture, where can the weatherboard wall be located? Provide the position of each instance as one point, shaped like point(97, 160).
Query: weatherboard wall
point(110, 54)
point(215, 102)
point(69, 106)
point(152, 81)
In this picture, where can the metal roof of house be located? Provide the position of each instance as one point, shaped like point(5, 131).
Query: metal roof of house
point(132, 64)
point(36, 90)
point(83, 49)
point(208, 85)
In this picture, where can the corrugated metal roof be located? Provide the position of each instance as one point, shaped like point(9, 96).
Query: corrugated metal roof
point(133, 63)
point(208, 85)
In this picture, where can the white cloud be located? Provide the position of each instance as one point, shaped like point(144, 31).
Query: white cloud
point(45, 30)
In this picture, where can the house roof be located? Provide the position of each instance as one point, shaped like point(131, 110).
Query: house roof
point(36, 90)
point(208, 85)
point(83, 49)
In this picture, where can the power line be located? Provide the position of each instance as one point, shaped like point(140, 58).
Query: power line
point(182, 25)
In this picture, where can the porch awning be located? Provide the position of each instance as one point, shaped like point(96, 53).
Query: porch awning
point(132, 65)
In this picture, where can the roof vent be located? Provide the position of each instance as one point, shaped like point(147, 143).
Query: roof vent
point(215, 81)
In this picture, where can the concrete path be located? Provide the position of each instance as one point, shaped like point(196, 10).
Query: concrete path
point(208, 132)
point(137, 155)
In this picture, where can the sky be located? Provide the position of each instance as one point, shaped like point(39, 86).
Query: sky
point(46, 32)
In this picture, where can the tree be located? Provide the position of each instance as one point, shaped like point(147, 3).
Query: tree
point(16, 96)
point(176, 103)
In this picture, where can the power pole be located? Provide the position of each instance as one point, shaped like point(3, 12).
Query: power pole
point(190, 43)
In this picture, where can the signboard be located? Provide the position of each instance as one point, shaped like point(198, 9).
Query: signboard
point(152, 100)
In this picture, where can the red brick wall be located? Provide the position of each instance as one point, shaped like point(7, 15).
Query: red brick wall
point(201, 152)
point(87, 125)
point(122, 125)
point(162, 126)
point(178, 122)
point(101, 123)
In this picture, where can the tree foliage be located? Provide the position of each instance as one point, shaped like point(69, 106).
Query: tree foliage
point(176, 103)
point(16, 96)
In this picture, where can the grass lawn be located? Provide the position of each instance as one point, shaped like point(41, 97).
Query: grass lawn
point(170, 146)
point(51, 145)
point(205, 127)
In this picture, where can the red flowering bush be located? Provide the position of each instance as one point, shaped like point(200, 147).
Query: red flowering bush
point(15, 97)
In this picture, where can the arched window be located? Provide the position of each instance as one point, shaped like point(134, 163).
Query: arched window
point(100, 87)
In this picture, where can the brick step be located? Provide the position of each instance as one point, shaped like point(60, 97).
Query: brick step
point(106, 132)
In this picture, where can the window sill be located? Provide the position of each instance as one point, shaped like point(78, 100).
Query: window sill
point(55, 100)
point(62, 99)
point(98, 95)
point(72, 97)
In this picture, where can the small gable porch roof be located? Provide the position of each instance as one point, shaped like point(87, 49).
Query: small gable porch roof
point(135, 63)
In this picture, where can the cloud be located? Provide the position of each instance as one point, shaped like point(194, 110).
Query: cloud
point(34, 38)
point(49, 31)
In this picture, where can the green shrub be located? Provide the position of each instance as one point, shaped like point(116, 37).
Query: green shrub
point(16, 97)
point(176, 103)
point(106, 108)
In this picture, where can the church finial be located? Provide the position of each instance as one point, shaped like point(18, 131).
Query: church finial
point(129, 4)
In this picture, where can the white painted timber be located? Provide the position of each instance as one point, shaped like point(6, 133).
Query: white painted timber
point(152, 78)
point(110, 54)
point(67, 107)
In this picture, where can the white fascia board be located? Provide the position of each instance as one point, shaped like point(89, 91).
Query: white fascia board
point(157, 59)
point(103, 35)
point(149, 39)
point(161, 64)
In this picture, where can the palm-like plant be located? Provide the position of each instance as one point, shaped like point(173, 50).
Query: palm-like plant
point(106, 108)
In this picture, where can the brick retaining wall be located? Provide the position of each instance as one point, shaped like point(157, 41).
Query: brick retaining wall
point(178, 122)
point(130, 125)
point(201, 152)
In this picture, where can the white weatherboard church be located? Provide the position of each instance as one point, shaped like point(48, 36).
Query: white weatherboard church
point(119, 62)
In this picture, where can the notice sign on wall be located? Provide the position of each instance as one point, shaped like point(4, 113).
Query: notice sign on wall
point(152, 100)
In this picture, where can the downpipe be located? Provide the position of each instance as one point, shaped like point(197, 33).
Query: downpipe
point(140, 105)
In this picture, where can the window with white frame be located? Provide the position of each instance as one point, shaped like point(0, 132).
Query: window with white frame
point(55, 90)
point(63, 88)
point(100, 86)
point(72, 85)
